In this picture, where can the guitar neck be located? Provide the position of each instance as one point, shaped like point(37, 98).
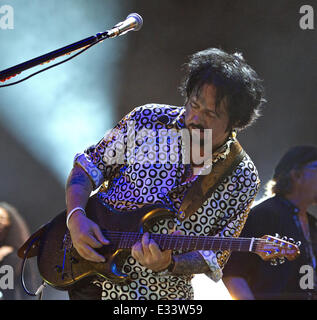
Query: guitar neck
point(125, 240)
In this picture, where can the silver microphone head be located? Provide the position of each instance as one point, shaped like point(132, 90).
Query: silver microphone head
point(139, 21)
point(133, 22)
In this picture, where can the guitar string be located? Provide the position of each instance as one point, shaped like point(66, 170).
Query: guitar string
point(119, 235)
point(189, 241)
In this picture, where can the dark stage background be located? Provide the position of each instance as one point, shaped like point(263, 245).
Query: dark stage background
point(148, 69)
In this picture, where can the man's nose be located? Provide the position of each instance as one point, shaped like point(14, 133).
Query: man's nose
point(196, 119)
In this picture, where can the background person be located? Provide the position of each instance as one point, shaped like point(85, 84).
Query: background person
point(247, 276)
point(13, 233)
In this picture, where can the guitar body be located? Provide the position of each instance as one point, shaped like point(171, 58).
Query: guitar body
point(61, 266)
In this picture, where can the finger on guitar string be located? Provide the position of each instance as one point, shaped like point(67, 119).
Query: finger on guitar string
point(154, 250)
point(177, 233)
point(145, 244)
point(89, 253)
point(137, 252)
point(154, 258)
point(98, 234)
point(92, 241)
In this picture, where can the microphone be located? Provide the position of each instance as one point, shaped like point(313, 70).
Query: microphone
point(133, 22)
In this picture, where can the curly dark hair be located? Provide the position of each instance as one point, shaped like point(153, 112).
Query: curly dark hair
point(235, 80)
point(294, 159)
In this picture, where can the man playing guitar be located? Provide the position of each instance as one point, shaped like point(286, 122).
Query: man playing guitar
point(223, 93)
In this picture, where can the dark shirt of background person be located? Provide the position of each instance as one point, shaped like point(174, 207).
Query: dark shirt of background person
point(275, 215)
point(294, 185)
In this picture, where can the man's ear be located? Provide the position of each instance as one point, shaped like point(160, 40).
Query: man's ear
point(296, 175)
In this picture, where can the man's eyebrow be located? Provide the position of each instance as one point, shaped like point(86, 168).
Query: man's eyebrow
point(194, 98)
point(195, 102)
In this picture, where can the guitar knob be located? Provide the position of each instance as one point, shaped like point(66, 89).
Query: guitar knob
point(281, 260)
point(291, 240)
point(58, 268)
point(277, 235)
point(273, 262)
point(74, 260)
point(298, 243)
point(284, 238)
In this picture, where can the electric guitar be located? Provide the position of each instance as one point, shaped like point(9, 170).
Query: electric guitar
point(61, 266)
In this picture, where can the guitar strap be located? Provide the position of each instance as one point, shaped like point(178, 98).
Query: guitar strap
point(205, 185)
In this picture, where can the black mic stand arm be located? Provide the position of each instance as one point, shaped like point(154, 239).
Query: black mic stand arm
point(13, 71)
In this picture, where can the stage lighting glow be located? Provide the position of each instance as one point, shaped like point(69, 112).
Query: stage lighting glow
point(64, 110)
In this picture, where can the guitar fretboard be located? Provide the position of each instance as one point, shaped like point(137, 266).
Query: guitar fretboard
point(125, 240)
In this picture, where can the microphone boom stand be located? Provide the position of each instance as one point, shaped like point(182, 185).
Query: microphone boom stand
point(13, 71)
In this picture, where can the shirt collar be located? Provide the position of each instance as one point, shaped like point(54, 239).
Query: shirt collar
point(289, 204)
point(179, 121)
point(222, 152)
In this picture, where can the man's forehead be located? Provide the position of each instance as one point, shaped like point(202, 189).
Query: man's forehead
point(211, 95)
point(207, 93)
point(206, 89)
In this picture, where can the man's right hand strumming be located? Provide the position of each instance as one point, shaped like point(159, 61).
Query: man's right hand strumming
point(86, 235)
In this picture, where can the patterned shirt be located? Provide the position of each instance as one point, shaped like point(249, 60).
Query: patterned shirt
point(132, 182)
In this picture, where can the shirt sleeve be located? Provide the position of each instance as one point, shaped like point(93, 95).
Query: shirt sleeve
point(104, 160)
point(237, 194)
